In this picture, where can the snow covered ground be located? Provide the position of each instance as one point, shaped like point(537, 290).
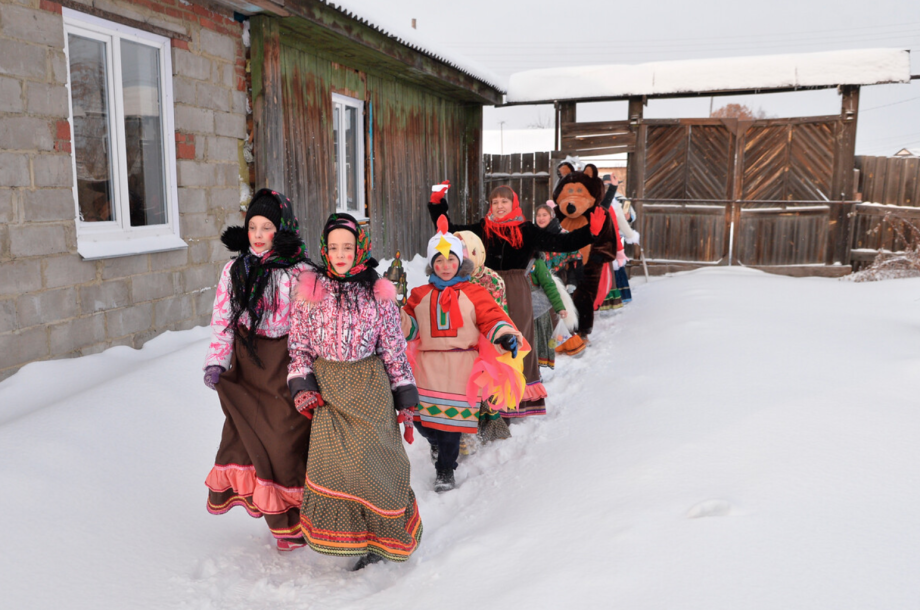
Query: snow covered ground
point(730, 440)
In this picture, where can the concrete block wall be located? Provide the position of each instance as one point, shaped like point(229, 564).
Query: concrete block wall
point(54, 304)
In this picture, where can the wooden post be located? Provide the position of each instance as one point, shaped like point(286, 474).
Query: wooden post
point(735, 192)
point(842, 185)
point(267, 109)
point(474, 163)
point(566, 114)
point(635, 165)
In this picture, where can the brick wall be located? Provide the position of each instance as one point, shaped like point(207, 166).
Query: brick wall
point(54, 304)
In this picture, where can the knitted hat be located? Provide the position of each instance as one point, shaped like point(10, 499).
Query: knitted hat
point(444, 243)
point(278, 209)
point(264, 204)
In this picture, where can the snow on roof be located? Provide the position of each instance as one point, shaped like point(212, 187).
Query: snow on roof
point(855, 67)
point(908, 152)
point(377, 17)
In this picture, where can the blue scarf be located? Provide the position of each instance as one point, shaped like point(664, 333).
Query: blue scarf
point(442, 284)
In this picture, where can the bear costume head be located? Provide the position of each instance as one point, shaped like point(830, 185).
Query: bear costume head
point(576, 195)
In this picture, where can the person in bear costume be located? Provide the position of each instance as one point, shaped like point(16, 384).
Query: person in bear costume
point(577, 195)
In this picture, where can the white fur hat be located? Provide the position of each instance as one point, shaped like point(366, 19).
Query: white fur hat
point(444, 242)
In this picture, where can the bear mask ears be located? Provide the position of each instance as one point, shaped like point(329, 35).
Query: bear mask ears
point(590, 170)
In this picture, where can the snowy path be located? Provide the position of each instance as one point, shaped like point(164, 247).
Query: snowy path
point(730, 440)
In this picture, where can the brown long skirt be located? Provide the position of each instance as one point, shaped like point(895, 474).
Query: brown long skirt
point(357, 497)
point(262, 457)
point(520, 308)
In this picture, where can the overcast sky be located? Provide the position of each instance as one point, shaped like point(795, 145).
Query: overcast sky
point(508, 36)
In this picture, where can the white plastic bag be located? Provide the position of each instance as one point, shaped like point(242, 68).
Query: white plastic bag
point(561, 334)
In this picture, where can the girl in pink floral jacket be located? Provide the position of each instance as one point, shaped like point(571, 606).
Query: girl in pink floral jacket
point(261, 459)
point(349, 367)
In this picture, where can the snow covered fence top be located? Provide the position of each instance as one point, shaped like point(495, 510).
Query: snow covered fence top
point(765, 72)
point(378, 18)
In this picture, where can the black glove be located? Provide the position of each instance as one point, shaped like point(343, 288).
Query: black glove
point(303, 384)
point(510, 343)
point(405, 397)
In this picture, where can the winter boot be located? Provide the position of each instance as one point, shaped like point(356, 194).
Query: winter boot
point(444, 481)
point(289, 544)
point(365, 561)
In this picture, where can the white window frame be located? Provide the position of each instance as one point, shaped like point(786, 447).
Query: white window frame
point(342, 204)
point(110, 239)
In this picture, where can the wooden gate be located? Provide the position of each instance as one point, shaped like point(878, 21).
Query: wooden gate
point(729, 191)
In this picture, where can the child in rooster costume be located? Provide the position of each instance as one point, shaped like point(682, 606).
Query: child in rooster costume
point(463, 348)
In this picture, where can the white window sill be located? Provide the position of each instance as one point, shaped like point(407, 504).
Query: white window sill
point(95, 250)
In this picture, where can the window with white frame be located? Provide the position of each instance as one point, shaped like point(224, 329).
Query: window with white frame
point(348, 145)
point(121, 120)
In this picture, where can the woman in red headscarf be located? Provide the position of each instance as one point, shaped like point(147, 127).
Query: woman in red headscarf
point(511, 242)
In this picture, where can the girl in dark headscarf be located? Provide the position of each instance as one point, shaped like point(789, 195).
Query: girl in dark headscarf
point(349, 366)
point(261, 460)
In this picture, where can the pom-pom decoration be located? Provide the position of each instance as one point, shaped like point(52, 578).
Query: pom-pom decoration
point(499, 379)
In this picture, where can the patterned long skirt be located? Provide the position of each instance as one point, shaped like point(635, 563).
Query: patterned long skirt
point(623, 284)
point(520, 309)
point(543, 332)
point(262, 455)
point(357, 497)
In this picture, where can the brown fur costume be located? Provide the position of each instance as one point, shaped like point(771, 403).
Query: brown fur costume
point(577, 195)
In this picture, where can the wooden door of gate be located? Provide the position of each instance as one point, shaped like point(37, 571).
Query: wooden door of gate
point(729, 191)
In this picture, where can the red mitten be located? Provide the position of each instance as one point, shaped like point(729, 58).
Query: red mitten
point(597, 221)
point(405, 417)
point(305, 402)
point(438, 192)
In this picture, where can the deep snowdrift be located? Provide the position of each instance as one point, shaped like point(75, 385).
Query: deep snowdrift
point(730, 440)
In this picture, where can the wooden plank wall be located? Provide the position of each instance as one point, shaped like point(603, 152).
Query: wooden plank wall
point(882, 227)
point(680, 231)
point(889, 180)
point(894, 182)
point(592, 139)
point(419, 139)
point(790, 159)
point(530, 175)
point(766, 233)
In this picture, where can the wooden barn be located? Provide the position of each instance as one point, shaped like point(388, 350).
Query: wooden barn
point(352, 117)
point(770, 193)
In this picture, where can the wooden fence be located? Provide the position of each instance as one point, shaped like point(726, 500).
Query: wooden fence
point(531, 175)
point(680, 233)
point(889, 180)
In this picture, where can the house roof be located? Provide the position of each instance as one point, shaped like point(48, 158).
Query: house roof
point(729, 75)
point(378, 18)
point(908, 152)
point(489, 86)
